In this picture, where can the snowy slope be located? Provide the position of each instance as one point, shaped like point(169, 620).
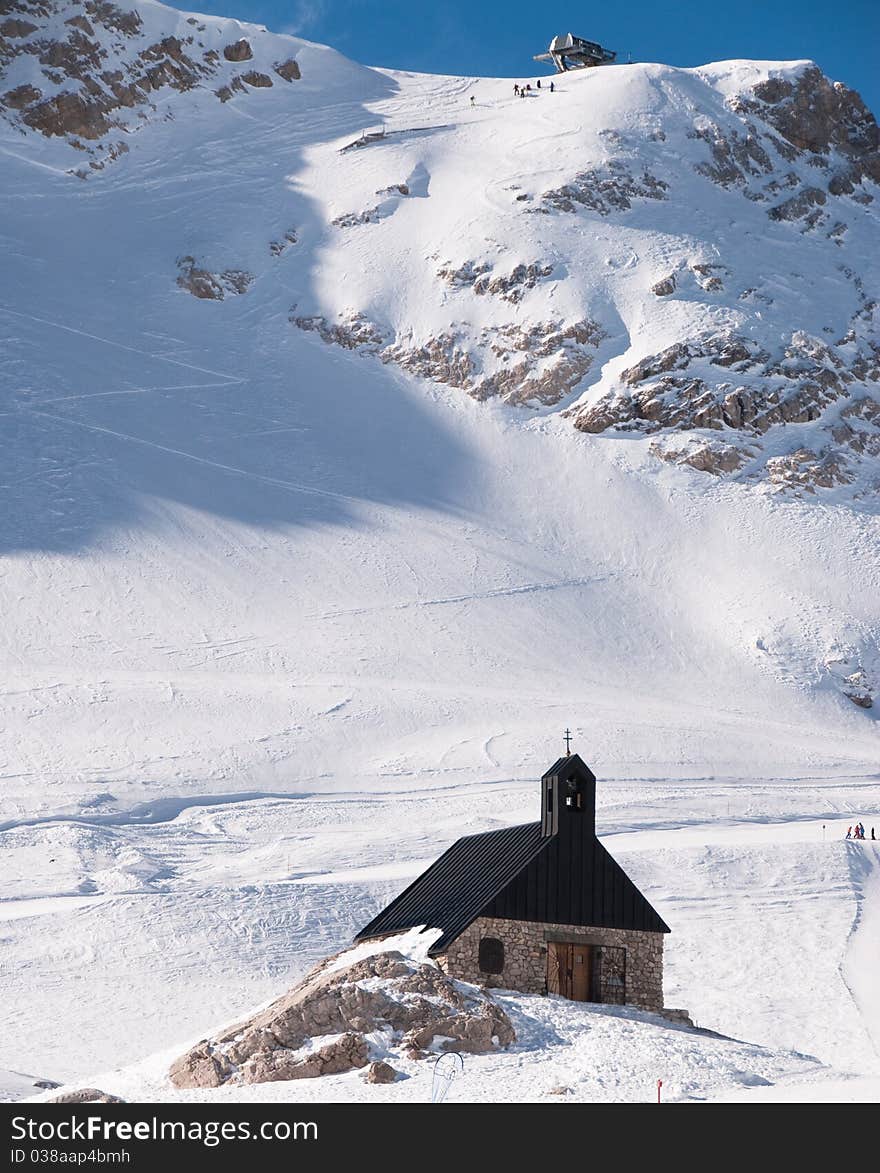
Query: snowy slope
point(309, 526)
point(761, 920)
point(274, 564)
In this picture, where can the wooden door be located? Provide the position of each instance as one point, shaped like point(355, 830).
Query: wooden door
point(558, 968)
point(569, 970)
point(580, 973)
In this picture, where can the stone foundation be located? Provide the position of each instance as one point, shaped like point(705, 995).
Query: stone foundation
point(632, 974)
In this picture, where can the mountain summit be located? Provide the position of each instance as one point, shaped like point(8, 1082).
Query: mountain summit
point(680, 255)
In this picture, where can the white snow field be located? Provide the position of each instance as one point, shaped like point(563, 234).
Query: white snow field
point(281, 621)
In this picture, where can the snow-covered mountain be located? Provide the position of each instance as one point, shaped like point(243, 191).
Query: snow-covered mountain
point(680, 253)
point(312, 430)
point(357, 439)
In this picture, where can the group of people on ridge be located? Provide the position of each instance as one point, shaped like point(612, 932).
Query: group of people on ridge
point(858, 833)
point(521, 91)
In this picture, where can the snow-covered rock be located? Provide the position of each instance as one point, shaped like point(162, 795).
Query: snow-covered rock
point(325, 1024)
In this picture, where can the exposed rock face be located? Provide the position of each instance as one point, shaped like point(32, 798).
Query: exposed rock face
point(212, 286)
point(537, 362)
point(864, 702)
point(341, 1054)
point(352, 332)
point(373, 215)
point(665, 287)
point(799, 205)
point(381, 1072)
point(704, 455)
point(727, 382)
point(605, 190)
point(17, 28)
point(855, 683)
point(401, 189)
point(240, 51)
point(260, 81)
point(277, 247)
point(805, 119)
point(289, 70)
point(320, 1027)
point(86, 1095)
point(818, 115)
point(510, 286)
point(735, 156)
point(106, 66)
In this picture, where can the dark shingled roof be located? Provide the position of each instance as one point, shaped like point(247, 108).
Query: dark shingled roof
point(552, 872)
point(454, 890)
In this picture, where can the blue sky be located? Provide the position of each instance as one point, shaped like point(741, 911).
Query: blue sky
point(498, 39)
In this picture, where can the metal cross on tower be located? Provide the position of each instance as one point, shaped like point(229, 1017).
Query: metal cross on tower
point(567, 742)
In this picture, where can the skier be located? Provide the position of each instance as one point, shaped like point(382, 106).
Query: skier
point(516, 89)
point(849, 832)
point(552, 87)
point(472, 100)
point(538, 83)
point(872, 832)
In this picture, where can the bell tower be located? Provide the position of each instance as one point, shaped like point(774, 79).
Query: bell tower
point(568, 797)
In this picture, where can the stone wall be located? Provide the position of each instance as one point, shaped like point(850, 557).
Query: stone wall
point(525, 958)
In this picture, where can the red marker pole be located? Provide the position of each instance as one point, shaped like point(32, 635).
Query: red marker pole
point(659, 1085)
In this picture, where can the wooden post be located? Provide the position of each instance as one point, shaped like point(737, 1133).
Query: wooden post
point(659, 1085)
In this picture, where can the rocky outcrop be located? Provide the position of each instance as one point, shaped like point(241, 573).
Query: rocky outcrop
point(816, 115)
point(259, 81)
point(352, 332)
point(240, 51)
point(211, 286)
point(277, 247)
point(289, 70)
point(111, 17)
point(86, 1095)
point(735, 156)
point(709, 456)
point(806, 118)
point(534, 362)
point(16, 28)
point(854, 681)
point(694, 384)
point(325, 1024)
point(345, 1053)
point(391, 196)
point(99, 65)
point(664, 287)
point(800, 205)
point(672, 1014)
point(612, 188)
point(482, 279)
point(353, 219)
point(381, 1072)
point(724, 382)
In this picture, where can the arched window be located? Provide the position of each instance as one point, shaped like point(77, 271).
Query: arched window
point(491, 958)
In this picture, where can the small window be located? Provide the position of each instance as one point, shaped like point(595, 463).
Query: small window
point(491, 955)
